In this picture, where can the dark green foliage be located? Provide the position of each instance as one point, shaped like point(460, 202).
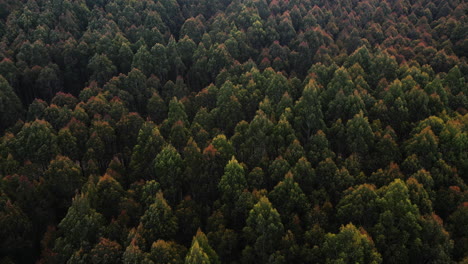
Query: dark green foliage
point(232, 183)
point(158, 222)
point(350, 245)
point(80, 228)
point(10, 105)
point(263, 230)
point(62, 180)
point(349, 116)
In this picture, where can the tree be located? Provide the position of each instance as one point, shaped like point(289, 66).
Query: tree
point(425, 146)
point(459, 232)
point(256, 143)
point(263, 230)
point(176, 113)
point(436, 243)
point(158, 221)
point(308, 112)
point(358, 206)
point(101, 68)
point(332, 179)
point(149, 144)
point(359, 135)
point(80, 227)
point(350, 245)
point(186, 48)
point(156, 108)
point(163, 252)
point(143, 60)
point(48, 81)
point(36, 142)
point(127, 129)
point(193, 28)
point(109, 193)
point(106, 252)
point(125, 58)
point(397, 231)
point(289, 199)
point(228, 111)
point(15, 236)
point(36, 110)
point(133, 254)
point(169, 169)
point(136, 84)
point(319, 148)
point(277, 86)
point(10, 105)
point(62, 179)
point(232, 183)
point(282, 137)
point(277, 170)
point(160, 63)
point(179, 135)
point(196, 255)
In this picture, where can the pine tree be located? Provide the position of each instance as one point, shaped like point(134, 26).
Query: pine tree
point(264, 229)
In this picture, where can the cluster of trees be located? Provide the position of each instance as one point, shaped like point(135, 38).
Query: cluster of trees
point(254, 131)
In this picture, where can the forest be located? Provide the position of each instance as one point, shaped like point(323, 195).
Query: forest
point(233, 131)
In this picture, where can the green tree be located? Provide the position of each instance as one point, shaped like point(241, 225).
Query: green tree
point(67, 144)
point(258, 136)
point(350, 245)
point(80, 228)
point(17, 229)
point(289, 199)
point(106, 252)
point(397, 231)
point(176, 113)
point(134, 255)
point(109, 193)
point(158, 221)
point(196, 255)
point(436, 243)
point(149, 144)
point(193, 28)
point(169, 170)
point(62, 179)
point(160, 63)
point(125, 58)
point(36, 142)
point(101, 68)
point(143, 60)
point(232, 183)
point(264, 229)
point(163, 252)
point(228, 111)
point(359, 135)
point(127, 129)
point(308, 112)
point(156, 108)
point(425, 145)
point(10, 105)
point(277, 170)
point(459, 233)
point(201, 241)
point(277, 86)
point(358, 206)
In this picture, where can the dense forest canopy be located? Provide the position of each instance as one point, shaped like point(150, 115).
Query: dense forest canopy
point(244, 131)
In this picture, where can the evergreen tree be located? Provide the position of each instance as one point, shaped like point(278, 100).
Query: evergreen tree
point(159, 221)
point(264, 229)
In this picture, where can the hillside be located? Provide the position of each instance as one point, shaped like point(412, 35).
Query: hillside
point(245, 131)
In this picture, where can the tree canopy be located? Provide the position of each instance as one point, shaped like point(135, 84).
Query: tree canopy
point(221, 131)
